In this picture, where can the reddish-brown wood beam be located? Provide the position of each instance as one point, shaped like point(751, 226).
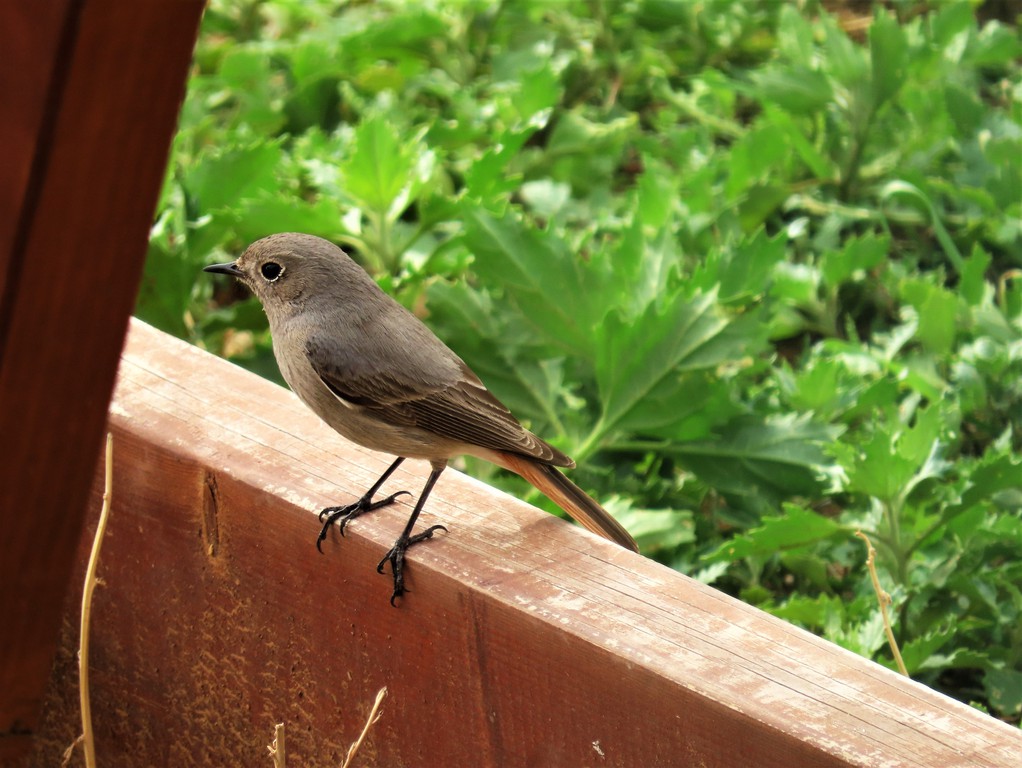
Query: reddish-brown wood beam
point(524, 641)
point(91, 90)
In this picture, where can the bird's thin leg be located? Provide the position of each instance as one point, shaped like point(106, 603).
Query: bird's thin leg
point(349, 512)
point(396, 555)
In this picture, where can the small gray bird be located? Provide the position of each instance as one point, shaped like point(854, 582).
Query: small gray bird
point(371, 370)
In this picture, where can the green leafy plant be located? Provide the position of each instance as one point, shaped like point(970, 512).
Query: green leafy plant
point(756, 269)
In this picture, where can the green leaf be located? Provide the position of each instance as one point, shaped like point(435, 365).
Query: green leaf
point(1004, 687)
point(918, 442)
point(844, 59)
point(816, 612)
point(895, 460)
point(995, 45)
point(918, 652)
point(876, 470)
point(656, 196)
point(964, 107)
point(755, 158)
point(245, 315)
point(380, 166)
point(407, 38)
point(811, 569)
point(772, 459)
point(796, 284)
point(916, 370)
point(222, 178)
point(952, 20)
point(489, 176)
point(825, 386)
point(936, 309)
point(797, 527)
point(746, 270)
point(587, 153)
point(486, 337)
point(865, 637)
point(795, 36)
point(742, 270)
point(645, 267)
point(678, 334)
point(681, 408)
point(993, 474)
point(538, 91)
point(889, 52)
point(576, 134)
point(312, 59)
point(799, 90)
point(248, 78)
point(267, 215)
point(544, 197)
point(859, 254)
point(546, 281)
point(900, 189)
point(654, 529)
point(761, 202)
point(166, 288)
point(823, 168)
point(973, 284)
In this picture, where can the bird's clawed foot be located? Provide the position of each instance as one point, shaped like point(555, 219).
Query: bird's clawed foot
point(349, 512)
point(396, 558)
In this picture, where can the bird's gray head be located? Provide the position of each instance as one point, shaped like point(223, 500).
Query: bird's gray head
point(289, 271)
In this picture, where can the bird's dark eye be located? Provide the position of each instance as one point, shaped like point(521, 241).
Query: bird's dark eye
point(271, 270)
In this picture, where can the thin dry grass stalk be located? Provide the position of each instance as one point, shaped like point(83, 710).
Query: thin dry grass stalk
point(86, 739)
point(884, 599)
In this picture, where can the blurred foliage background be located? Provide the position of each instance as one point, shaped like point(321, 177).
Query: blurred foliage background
point(756, 265)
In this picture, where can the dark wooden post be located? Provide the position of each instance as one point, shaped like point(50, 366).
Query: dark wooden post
point(91, 91)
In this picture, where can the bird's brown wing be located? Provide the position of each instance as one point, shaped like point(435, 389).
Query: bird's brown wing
point(459, 409)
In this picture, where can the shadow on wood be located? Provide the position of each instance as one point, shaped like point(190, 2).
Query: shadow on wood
point(524, 640)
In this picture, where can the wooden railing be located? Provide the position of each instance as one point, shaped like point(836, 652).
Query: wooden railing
point(524, 640)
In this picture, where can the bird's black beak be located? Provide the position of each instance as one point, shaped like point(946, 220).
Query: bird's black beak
point(229, 268)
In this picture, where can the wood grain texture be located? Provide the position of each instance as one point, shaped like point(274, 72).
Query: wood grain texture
point(91, 93)
point(32, 72)
point(524, 641)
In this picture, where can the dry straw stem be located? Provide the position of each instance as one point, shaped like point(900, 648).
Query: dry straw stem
point(277, 747)
point(70, 752)
point(374, 715)
point(83, 640)
point(884, 599)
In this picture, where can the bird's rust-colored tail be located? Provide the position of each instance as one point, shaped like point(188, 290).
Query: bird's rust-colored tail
point(569, 497)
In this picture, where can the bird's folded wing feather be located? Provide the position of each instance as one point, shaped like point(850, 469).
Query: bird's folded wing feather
point(461, 409)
